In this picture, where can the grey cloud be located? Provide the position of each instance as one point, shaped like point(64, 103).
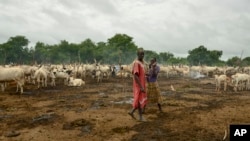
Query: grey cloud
point(174, 26)
point(103, 6)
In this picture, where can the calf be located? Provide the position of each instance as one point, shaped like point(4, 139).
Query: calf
point(75, 82)
point(219, 79)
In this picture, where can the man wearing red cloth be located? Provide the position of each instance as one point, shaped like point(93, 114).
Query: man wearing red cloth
point(139, 85)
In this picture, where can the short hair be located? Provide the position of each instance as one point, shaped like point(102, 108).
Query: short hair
point(140, 50)
point(153, 58)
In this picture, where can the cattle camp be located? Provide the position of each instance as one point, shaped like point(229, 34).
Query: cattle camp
point(84, 91)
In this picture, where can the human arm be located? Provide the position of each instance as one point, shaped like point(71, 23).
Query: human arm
point(136, 77)
point(155, 69)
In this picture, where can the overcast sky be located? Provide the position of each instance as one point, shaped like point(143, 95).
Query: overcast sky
point(174, 26)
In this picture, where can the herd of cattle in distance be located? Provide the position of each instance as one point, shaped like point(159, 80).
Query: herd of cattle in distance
point(75, 74)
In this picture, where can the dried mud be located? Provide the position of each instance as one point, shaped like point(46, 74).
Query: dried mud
point(98, 112)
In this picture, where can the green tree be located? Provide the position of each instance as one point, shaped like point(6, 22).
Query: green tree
point(66, 52)
point(177, 60)
point(86, 50)
point(74, 52)
point(121, 49)
point(202, 56)
point(214, 57)
point(15, 49)
point(100, 48)
point(234, 61)
point(164, 57)
point(246, 61)
point(27, 56)
point(197, 56)
point(150, 54)
point(4, 52)
point(42, 53)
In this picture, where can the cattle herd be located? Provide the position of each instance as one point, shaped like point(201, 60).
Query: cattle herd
point(44, 75)
point(236, 77)
point(75, 74)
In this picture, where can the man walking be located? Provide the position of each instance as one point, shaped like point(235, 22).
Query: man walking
point(139, 84)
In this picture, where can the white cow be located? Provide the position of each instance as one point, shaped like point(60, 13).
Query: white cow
point(105, 69)
point(41, 75)
point(75, 82)
point(127, 68)
point(52, 77)
point(208, 69)
point(241, 81)
point(29, 71)
point(13, 74)
point(89, 69)
point(61, 75)
point(123, 74)
point(167, 70)
point(219, 79)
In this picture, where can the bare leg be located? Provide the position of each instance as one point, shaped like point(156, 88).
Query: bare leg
point(143, 109)
point(131, 113)
point(159, 106)
point(140, 113)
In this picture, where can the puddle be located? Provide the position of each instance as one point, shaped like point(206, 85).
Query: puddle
point(51, 91)
point(5, 116)
point(127, 101)
point(103, 95)
point(27, 93)
point(72, 97)
point(43, 117)
point(85, 126)
point(97, 105)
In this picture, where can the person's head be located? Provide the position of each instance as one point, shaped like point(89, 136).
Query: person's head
point(152, 60)
point(140, 54)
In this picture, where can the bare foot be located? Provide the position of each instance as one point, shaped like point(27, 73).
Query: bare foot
point(132, 115)
point(142, 119)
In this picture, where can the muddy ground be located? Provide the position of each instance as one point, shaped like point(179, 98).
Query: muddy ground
point(98, 112)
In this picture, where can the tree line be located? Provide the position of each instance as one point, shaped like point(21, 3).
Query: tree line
point(119, 49)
